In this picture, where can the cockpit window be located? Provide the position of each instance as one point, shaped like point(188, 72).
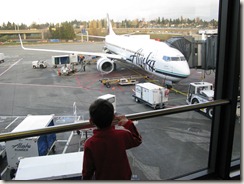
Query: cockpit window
point(167, 58)
point(175, 58)
point(182, 58)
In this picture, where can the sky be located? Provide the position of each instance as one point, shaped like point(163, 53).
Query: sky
point(56, 11)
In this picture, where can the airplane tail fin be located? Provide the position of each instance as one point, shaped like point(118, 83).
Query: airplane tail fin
point(109, 27)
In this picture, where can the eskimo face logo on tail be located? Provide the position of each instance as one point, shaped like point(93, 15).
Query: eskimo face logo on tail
point(144, 62)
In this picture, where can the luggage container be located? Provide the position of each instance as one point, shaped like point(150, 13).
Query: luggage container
point(151, 94)
point(52, 167)
point(30, 146)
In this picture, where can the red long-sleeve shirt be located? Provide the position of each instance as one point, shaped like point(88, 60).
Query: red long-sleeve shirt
point(105, 153)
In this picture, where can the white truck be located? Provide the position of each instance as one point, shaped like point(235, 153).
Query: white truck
point(200, 92)
point(30, 146)
point(39, 64)
point(2, 57)
point(151, 94)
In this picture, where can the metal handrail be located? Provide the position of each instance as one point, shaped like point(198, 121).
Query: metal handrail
point(85, 124)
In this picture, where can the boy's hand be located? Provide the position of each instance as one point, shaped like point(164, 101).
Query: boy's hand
point(121, 119)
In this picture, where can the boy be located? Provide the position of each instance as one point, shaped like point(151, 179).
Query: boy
point(105, 152)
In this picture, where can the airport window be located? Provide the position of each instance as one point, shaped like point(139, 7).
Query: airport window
point(175, 145)
point(200, 143)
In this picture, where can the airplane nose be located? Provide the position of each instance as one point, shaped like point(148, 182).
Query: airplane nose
point(187, 70)
point(183, 70)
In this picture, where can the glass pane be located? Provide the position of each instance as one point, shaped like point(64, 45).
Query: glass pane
point(173, 146)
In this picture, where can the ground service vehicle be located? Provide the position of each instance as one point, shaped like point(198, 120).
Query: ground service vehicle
point(66, 69)
point(2, 57)
point(121, 81)
point(200, 92)
point(131, 80)
point(39, 64)
point(151, 94)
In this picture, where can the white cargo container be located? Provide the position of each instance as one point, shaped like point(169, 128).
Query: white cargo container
point(151, 94)
point(30, 146)
point(51, 167)
point(2, 57)
point(65, 59)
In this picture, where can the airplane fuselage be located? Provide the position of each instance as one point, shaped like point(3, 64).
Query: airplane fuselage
point(155, 57)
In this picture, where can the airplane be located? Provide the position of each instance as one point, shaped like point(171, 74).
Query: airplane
point(153, 56)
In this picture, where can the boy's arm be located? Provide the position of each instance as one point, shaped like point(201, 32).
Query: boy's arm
point(134, 138)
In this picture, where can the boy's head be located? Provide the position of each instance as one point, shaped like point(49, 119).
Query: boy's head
point(101, 113)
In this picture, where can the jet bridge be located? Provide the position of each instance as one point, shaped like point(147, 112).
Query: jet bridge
point(199, 53)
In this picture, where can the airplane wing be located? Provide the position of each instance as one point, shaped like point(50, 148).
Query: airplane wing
point(112, 56)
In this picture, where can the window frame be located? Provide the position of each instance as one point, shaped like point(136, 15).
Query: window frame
point(226, 87)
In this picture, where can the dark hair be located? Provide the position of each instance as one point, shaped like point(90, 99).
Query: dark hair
point(101, 113)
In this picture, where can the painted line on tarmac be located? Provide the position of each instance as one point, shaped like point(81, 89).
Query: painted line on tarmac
point(11, 123)
point(40, 85)
point(10, 67)
point(47, 86)
point(177, 91)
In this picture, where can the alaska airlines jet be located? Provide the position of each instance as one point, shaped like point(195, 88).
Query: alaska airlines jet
point(153, 56)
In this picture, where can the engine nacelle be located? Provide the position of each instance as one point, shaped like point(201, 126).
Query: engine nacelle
point(105, 65)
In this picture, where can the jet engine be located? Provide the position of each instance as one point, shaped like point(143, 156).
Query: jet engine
point(105, 65)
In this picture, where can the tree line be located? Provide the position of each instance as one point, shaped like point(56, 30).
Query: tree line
point(65, 30)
